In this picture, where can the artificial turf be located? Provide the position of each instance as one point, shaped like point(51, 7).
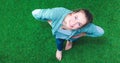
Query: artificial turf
point(26, 40)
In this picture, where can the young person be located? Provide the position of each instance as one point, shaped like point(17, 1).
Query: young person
point(68, 25)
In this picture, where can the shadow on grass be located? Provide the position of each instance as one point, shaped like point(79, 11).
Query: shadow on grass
point(87, 47)
point(91, 40)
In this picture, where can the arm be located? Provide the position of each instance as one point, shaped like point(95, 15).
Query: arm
point(96, 31)
point(48, 14)
point(42, 14)
point(91, 31)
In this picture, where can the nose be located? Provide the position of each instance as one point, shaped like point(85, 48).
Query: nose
point(73, 23)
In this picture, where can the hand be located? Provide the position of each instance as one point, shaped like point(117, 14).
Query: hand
point(80, 35)
point(50, 22)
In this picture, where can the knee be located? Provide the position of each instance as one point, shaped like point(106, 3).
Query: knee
point(100, 31)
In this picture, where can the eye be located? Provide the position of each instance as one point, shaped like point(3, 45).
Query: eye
point(79, 24)
point(76, 17)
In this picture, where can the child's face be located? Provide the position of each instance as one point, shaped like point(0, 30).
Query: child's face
point(75, 20)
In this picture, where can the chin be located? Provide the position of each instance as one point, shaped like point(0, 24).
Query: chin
point(71, 29)
point(74, 28)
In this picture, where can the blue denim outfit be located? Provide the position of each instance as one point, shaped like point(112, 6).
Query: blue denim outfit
point(57, 15)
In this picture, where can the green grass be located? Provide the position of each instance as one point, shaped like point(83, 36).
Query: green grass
point(26, 40)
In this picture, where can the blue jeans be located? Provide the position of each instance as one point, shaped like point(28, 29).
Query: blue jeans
point(59, 43)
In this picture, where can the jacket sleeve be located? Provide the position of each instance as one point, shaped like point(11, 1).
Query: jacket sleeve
point(94, 31)
point(47, 14)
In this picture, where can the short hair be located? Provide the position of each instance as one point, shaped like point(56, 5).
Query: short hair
point(88, 15)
